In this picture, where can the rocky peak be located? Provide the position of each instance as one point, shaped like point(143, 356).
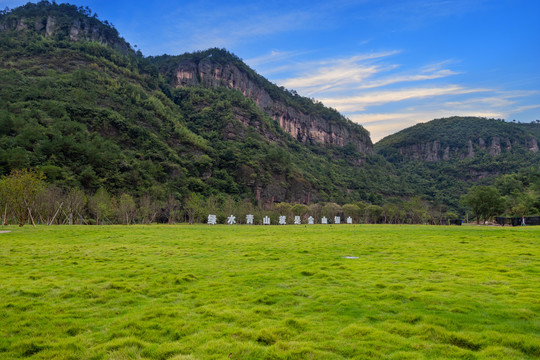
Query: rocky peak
point(459, 138)
point(307, 126)
point(62, 21)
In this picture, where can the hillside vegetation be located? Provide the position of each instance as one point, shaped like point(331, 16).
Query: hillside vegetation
point(91, 115)
point(443, 157)
point(78, 104)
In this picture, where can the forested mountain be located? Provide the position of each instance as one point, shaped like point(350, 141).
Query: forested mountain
point(444, 157)
point(80, 105)
point(306, 120)
point(460, 138)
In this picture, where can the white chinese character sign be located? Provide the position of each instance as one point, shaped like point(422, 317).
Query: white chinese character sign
point(324, 220)
point(337, 220)
point(310, 220)
point(349, 220)
point(266, 220)
point(282, 220)
point(212, 219)
point(231, 220)
point(249, 219)
point(297, 220)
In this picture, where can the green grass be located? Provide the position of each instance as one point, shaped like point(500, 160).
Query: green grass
point(202, 292)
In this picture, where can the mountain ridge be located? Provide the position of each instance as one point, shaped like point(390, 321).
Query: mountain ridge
point(91, 114)
point(304, 119)
point(458, 138)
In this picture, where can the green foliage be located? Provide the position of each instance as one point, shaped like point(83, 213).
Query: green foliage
point(94, 114)
point(299, 210)
point(129, 132)
point(449, 140)
point(168, 65)
point(18, 193)
point(100, 205)
point(456, 133)
point(484, 201)
point(126, 209)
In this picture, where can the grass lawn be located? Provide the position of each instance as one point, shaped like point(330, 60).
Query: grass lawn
point(277, 292)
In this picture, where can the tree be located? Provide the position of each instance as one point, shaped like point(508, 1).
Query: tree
point(193, 207)
point(484, 201)
point(374, 212)
point(330, 210)
point(315, 210)
point(520, 204)
point(283, 208)
point(172, 209)
point(148, 209)
point(390, 213)
point(20, 190)
point(299, 210)
point(74, 204)
point(49, 203)
point(100, 205)
point(126, 209)
point(415, 211)
point(352, 210)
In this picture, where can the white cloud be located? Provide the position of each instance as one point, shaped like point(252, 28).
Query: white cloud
point(356, 73)
point(338, 73)
point(525, 108)
point(272, 57)
point(361, 102)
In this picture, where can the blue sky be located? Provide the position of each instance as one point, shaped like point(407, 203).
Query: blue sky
point(384, 64)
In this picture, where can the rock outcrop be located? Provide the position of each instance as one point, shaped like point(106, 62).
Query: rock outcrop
point(87, 29)
point(433, 151)
point(305, 127)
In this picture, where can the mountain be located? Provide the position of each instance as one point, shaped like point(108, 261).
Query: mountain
point(442, 158)
point(78, 103)
point(304, 119)
point(459, 138)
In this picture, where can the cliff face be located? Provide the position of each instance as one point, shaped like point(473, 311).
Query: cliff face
point(458, 138)
point(433, 151)
point(74, 29)
point(305, 127)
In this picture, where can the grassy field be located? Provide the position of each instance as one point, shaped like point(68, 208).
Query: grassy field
point(240, 292)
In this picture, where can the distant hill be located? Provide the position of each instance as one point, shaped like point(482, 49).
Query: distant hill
point(442, 158)
point(459, 138)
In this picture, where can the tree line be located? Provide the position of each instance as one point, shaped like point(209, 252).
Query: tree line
point(25, 198)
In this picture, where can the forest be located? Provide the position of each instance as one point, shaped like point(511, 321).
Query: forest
point(98, 123)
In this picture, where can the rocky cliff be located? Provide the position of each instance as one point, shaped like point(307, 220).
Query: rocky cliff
point(458, 139)
point(307, 121)
point(433, 151)
point(64, 22)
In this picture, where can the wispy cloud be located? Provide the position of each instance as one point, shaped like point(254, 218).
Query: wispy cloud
point(361, 102)
point(378, 92)
point(224, 24)
point(359, 72)
point(272, 57)
point(526, 107)
point(244, 28)
point(336, 73)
